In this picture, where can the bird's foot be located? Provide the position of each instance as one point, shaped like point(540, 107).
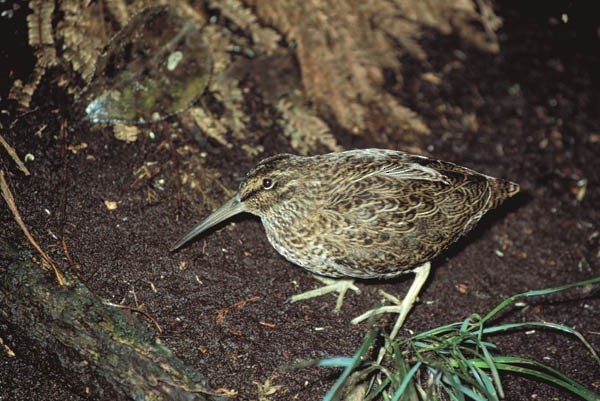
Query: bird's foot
point(402, 307)
point(331, 285)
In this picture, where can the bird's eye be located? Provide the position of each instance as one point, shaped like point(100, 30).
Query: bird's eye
point(267, 183)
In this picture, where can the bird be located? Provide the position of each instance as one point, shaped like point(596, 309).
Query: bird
point(362, 214)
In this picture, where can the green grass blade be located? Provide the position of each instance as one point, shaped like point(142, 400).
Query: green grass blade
point(436, 332)
point(334, 392)
point(378, 390)
point(455, 384)
point(481, 381)
point(492, 366)
point(489, 385)
point(553, 376)
point(405, 382)
point(335, 362)
point(546, 325)
point(539, 370)
point(478, 384)
point(535, 293)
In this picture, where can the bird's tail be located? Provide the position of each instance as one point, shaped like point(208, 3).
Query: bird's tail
point(501, 190)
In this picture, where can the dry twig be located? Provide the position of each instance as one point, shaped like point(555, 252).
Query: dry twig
point(222, 313)
point(138, 310)
point(11, 151)
point(10, 201)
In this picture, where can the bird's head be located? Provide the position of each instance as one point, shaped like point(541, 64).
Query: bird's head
point(263, 191)
point(270, 184)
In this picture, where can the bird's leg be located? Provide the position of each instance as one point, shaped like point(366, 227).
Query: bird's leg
point(402, 307)
point(331, 285)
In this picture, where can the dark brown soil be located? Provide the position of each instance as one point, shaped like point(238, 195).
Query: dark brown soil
point(537, 122)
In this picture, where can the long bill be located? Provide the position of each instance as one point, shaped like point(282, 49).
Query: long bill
point(231, 208)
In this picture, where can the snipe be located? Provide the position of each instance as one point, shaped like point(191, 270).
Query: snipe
point(368, 213)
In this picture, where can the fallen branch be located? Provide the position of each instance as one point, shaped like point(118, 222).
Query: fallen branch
point(101, 348)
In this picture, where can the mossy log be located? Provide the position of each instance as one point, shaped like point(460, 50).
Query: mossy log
point(107, 350)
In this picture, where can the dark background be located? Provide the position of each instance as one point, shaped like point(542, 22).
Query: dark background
point(538, 123)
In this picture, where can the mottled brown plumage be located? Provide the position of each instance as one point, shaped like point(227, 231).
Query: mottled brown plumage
point(368, 213)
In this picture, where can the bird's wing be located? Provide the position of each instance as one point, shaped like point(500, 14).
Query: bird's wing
point(397, 215)
point(403, 171)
